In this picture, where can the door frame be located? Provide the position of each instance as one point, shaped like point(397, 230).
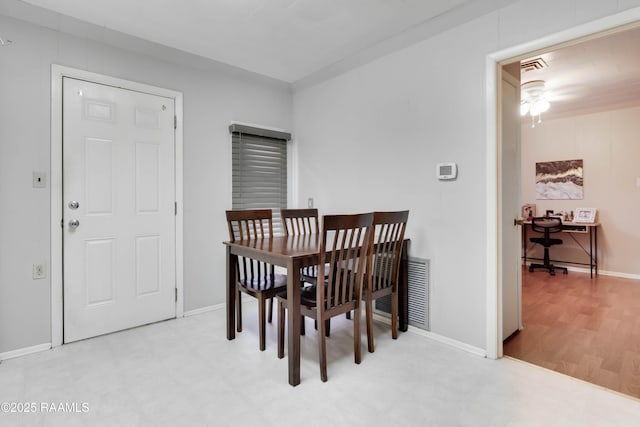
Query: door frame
point(493, 71)
point(57, 74)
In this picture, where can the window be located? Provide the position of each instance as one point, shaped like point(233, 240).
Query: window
point(259, 170)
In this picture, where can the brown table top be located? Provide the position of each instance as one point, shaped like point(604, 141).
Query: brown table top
point(278, 250)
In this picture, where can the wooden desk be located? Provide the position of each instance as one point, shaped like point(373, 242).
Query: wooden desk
point(293, 253)
point(572, 228)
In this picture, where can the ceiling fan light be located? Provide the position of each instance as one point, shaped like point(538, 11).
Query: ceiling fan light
point(524, 108)
point(543, 105)
point(539, 107)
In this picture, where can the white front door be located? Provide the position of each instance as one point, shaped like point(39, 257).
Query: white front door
point(118, 209)
point(510, 196)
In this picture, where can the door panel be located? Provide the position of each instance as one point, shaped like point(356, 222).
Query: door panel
point(510, 196)
point(148, 265)
point(98, 177)
point(98, 270)
point(119, 165)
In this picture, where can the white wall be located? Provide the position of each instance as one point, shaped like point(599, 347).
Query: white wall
point(608, 144)
point(212, 99)
point(370, 139)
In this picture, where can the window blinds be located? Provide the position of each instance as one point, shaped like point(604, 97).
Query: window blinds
point(259, 178)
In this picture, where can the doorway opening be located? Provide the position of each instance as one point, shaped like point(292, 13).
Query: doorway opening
point(576, 325)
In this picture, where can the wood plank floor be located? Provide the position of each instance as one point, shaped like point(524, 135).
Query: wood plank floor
point(586, 328)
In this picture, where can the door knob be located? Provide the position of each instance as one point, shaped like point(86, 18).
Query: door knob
point(73, 224)
point(74, 204)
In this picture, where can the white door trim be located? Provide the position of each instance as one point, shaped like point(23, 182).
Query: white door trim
point(493, 146)
point(57, 73)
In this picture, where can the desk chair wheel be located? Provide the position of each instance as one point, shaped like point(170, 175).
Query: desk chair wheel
point(530, 269)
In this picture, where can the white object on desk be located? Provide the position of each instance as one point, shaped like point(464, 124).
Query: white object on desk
point(585, 215)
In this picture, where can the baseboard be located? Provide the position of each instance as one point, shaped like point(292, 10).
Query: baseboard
point(600, 272)
point(25, 351)
point(203, 310)
point(617, 274)
point(222, 306)
point(449, 341)
point(436, 337)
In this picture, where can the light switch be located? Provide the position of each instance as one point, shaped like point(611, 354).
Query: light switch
point(39, 180)
point(310, 202)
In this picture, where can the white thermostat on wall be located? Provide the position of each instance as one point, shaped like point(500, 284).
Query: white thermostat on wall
point(446, 171)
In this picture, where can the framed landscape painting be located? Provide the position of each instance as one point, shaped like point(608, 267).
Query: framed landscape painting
point(559, 180)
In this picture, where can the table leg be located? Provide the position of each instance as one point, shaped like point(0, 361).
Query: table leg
point(595, 247)
point(524, 243)
point(403, 289)
point(231, 294)
point(293, 321)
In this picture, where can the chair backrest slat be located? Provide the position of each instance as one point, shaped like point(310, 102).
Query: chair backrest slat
point(246, 225)
point(387, 238)
point(345, 246)
point(296, 222)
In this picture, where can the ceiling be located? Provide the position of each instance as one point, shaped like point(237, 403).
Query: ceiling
point(284, 39)
point(290, 40)
point(596, 75)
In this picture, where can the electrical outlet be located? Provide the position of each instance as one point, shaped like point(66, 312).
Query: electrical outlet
point(310, 202)
point(39, 271)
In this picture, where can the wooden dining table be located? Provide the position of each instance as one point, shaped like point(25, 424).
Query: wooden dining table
point(292, 253)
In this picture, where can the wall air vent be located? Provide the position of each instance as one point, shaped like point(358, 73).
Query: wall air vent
point(418, 295)
point(533, 64)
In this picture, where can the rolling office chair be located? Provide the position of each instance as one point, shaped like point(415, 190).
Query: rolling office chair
point(546, 225)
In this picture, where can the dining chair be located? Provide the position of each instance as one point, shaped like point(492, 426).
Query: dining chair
point(383, 267)
point(257, 279)
point(298, 222)
point(302, 222)
point(344, 247)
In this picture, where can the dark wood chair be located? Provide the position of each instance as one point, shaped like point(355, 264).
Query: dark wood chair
point(257, 279)
point(299, 222)
point(344, 247)
point(302, 222)
point(383, 267)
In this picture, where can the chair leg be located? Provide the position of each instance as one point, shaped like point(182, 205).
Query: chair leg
point(322, 350)
point(356, 336)
point(369, 317)
point(281, 311)
point(239, 311)
point(327, 329)
point(270, 309)
point(394, 315)
point(546, 261)
point(302, 331)
point(348, 315)
point(261, 321)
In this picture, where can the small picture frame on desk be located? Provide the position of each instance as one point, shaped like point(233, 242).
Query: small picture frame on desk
point(585, 215)
point(528, 211)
